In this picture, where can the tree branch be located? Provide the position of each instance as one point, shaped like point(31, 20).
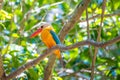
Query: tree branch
point(76, 74)
point(38, 10)
point(98, 40)
point(48, 69)
point(73, 19)
point(88, 30)
point(98, 16)
point(1, 2)
point(2, 73)
point(49, 52)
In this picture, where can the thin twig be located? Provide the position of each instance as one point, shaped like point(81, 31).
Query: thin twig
point(88, 31)
point(25, 18)
point(98, 16)
point(78, 72)
point(45, 7)
point(38, 10)
point(98, 40)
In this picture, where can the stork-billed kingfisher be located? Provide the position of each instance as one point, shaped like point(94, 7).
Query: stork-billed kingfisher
point(48, 36)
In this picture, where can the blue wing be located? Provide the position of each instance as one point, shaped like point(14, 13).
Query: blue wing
point(55, 37)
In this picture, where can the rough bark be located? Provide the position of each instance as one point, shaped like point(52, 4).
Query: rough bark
point(48, 69)
point(1, 67)
point(74, 18)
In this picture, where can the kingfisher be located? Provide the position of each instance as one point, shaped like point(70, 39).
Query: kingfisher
point(48, 37)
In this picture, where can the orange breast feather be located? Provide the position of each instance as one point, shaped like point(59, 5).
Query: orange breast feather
point(49, 41)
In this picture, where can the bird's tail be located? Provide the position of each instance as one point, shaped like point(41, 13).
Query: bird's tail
point(62, 62)
point(59, 56)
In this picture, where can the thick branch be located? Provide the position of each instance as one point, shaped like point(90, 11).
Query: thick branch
point(49, 52)
point(49, 66)
point(73, 19)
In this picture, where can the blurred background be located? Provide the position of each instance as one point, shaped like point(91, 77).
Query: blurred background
point(17, 22)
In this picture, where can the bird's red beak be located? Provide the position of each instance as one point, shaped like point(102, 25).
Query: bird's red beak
point(36, 33)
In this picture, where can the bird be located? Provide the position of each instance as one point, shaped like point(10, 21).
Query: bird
point(49, 38)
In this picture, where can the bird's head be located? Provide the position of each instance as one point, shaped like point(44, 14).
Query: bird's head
point(42, 26)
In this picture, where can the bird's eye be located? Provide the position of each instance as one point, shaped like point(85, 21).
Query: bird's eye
point(41, 26)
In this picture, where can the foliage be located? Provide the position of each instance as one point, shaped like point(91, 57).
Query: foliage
point(17, 18)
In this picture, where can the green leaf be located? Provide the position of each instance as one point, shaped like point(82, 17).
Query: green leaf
point(33, 74)
point(4, 50)
point(23, 43)
point(15, 35)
